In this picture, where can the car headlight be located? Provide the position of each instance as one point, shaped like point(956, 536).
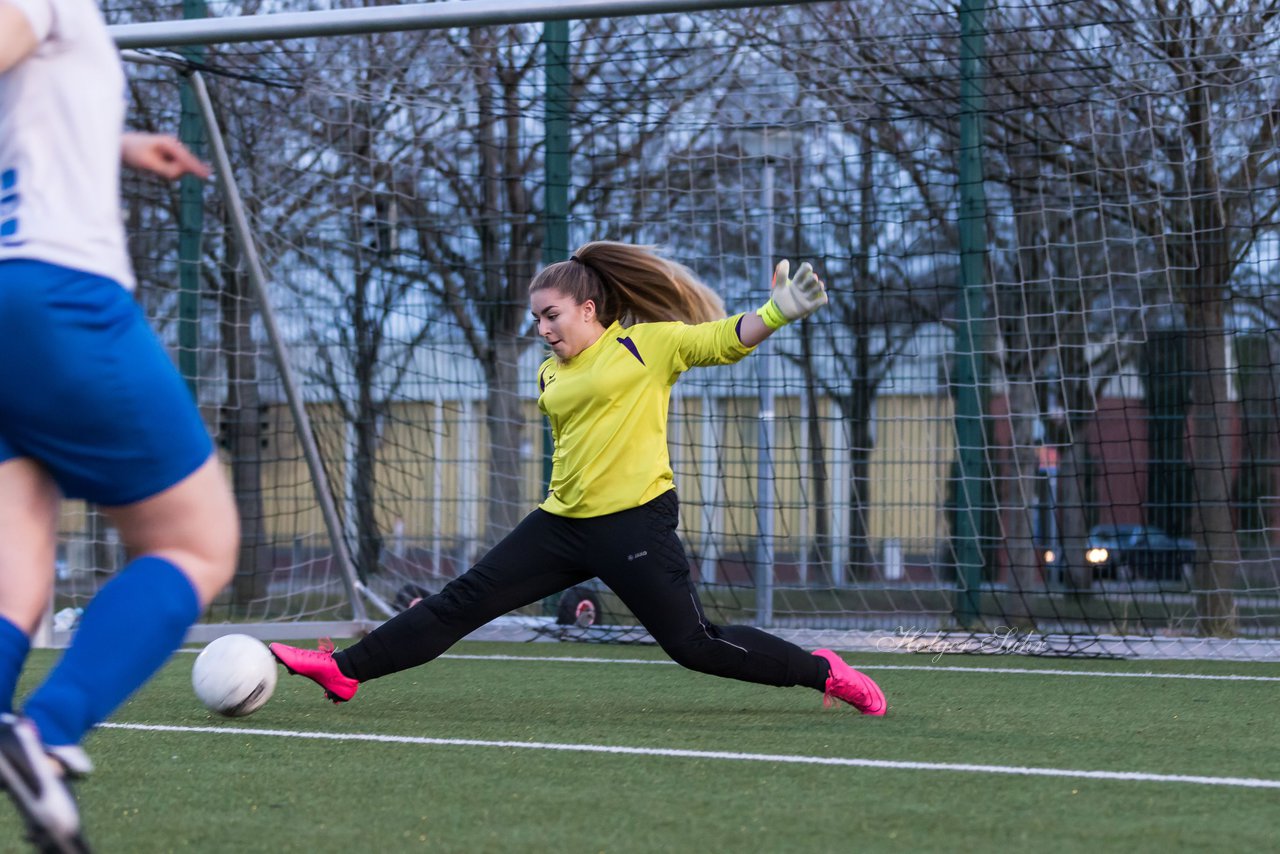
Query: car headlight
point(1097, 555)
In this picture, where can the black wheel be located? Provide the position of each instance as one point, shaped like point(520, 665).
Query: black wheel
point(579, 606)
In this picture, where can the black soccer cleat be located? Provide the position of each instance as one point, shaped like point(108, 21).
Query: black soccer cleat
point(38, 790)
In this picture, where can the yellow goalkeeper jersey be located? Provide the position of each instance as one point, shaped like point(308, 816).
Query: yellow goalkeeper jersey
point(608, 411)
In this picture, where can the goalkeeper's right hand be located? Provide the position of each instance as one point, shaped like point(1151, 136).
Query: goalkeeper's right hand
point(792, 298)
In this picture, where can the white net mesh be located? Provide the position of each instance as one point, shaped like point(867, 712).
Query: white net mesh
point(1125, 365)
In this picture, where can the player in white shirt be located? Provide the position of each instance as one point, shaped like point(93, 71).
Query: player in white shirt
point(91, 407)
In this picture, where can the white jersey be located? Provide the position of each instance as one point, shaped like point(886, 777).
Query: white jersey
point(61, 119)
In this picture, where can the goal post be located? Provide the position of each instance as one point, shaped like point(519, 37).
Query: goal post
point(406, 18)
point(243, 235)
point(1072, 454)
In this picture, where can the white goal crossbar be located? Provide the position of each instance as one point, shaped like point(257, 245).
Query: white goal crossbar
point(418, 16)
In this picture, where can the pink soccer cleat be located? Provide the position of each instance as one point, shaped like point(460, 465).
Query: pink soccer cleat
point(318, 666)
point(856, 689)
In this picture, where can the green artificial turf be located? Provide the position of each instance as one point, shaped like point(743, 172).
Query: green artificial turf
point(238, 791)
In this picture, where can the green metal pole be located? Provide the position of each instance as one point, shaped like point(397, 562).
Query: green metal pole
point(555, 40)
point(970, 375)
point(555, 243)
point(190, 218)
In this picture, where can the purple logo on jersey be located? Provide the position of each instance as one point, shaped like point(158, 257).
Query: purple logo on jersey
point(630, 345)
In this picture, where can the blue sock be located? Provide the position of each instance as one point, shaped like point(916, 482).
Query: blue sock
point(128, 631)
point(14, 646)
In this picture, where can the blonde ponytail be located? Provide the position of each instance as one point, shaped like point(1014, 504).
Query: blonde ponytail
point(631, 283)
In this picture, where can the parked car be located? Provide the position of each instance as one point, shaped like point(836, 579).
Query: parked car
point(1139, 553)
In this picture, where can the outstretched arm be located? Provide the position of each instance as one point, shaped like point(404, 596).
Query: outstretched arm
point(17, 38)
point(752, 330)
point(791, 299)
point(161, 155)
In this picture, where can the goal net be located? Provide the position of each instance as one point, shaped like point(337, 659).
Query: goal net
point(1039, 414)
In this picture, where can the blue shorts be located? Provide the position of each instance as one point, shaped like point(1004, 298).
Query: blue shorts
point(87, 389)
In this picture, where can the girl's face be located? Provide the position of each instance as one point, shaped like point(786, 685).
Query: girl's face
point(568, 327)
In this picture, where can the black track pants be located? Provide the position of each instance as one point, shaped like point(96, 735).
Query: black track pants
point(635, 552)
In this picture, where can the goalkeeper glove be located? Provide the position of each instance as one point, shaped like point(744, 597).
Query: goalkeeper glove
point(792, 299)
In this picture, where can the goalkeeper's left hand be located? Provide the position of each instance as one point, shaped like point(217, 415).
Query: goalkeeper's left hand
point(792, 298)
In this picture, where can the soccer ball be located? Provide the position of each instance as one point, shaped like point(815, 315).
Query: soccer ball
point(234, 675)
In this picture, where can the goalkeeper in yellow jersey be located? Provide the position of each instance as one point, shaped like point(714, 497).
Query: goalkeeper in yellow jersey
point(623, 324)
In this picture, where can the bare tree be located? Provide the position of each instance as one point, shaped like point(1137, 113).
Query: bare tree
point(1154, 130)
point(886, 284)
point(1178, 123)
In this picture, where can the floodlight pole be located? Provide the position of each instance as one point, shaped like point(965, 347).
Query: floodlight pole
point(768, 143)
point(766, 487)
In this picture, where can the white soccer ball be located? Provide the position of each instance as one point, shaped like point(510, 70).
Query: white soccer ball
point(234, 675)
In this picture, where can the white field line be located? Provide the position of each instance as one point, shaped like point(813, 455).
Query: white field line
point(1025, 671)
point(1127, 776)
point(926, 668)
